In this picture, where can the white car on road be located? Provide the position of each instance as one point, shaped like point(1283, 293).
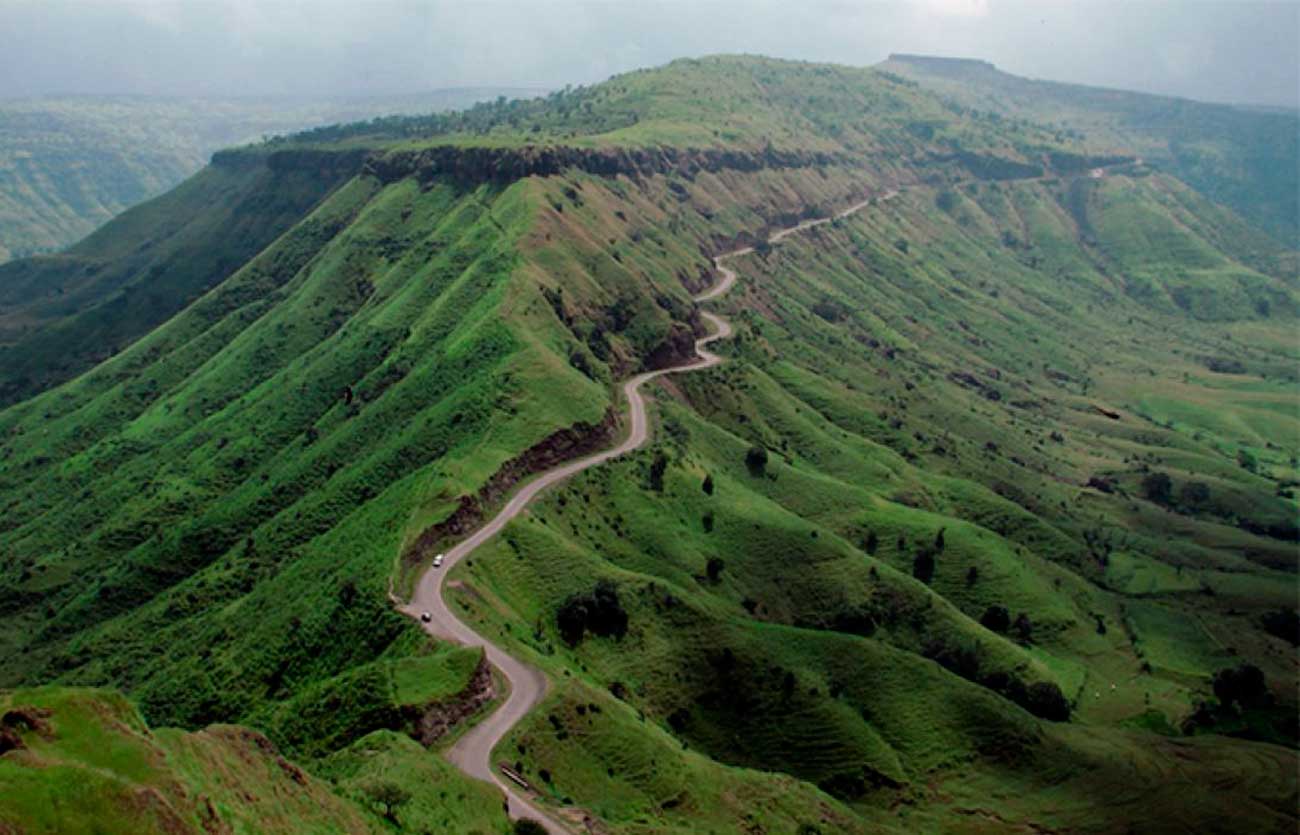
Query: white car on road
point(437, 561)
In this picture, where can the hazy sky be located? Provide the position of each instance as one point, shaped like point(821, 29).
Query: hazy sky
point(1225, 51)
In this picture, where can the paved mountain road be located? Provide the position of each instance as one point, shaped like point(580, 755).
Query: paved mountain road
point(472, 753)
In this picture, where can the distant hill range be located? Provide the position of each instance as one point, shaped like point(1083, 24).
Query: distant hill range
point(1241, 156)
point(70, 163)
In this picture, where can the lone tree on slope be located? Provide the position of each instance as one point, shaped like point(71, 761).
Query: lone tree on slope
point(387, 794)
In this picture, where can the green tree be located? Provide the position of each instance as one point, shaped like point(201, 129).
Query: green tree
point(996, 619)
point(1243, 685)
point(923, 566)
point(1024, 628)
point(1045, 699)
point(387, 794)
point(657, 469)
point(1157, 487)
point(1194, 494)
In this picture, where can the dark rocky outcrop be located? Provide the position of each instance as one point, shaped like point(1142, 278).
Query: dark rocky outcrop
point(504, 165)
point(472, 165)
point(677, 348)
point(19, 720)
point(431, 722)
point(256, 743)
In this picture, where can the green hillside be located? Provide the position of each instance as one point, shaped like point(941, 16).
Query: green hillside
point(891, 387)
point(1241, 157)
point(997, 479)
point(70, 163)
point(84, 761)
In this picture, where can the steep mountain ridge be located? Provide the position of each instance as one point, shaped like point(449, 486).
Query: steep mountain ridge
point(104, 296)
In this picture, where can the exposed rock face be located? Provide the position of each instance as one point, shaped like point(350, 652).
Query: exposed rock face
point(677, 348)
point(472, 165)
point(18, 720)
point(254, 745)
point(27, 718)
point(431, 722)
point(508, 164)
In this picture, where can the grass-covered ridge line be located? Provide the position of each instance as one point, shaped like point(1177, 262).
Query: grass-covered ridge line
point(725, 101)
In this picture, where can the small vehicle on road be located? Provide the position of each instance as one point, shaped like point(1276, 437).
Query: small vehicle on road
point(426, 617)
point(437, 561)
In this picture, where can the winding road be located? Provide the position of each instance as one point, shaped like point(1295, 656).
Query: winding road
point(472, 753)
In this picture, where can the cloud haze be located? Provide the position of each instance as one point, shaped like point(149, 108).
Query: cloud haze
point(1224, 51)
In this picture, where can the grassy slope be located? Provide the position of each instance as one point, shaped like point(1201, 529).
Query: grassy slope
point(1241, 157)
point(210, 518)
point(238, 422)
point(94, 765)
point(97, 761)
point(62, 314)
point(869, 443)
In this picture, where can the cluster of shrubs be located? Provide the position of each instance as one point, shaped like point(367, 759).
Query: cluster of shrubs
point(1242, 686)
point(998, 619)
point(1194, 497)
point(1158, 487)
point(1238, 690)
point(1043, 699)
point(923, 564)
point(1283, 623)
point(597, 611)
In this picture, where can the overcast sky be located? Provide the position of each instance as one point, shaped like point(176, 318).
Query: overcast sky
point(1221, 51)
